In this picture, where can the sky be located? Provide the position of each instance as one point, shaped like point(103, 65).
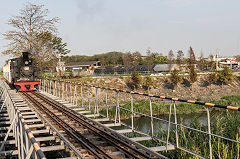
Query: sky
point(97, 26)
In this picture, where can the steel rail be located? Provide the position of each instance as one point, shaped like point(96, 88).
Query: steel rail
point(95, 152)
point(65, 140)
point(109, 137)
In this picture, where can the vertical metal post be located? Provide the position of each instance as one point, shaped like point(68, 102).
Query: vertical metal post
point(50, 82)
point(96, 102)
point(89, 106)
point(40, 85)
point(55, 85)
point(70, 99)
point(116, 112)
point(82, 95)
point(62, 91)
point(45, 85)
point(75, 95)
point(151, 114)
point(59, 89)
point(175, 122)
point(117, 109)
point(132, 111)
point(66, 91)
point(106, 102)
point(209, 132)
point(169, 124)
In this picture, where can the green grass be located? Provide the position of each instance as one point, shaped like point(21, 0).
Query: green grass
point(158, 108)
point(161, 108)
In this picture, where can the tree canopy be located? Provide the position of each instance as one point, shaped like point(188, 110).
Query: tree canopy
point(33, 31)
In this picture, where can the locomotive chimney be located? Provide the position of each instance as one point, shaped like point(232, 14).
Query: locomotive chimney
point(25, 56)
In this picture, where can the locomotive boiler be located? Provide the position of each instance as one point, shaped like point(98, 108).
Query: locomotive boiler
point(21, 73)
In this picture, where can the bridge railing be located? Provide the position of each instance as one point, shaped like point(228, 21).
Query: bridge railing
point(27, 146)
point(95, 98)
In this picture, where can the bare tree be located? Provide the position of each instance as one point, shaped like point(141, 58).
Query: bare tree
point(149, 59)
point(103, 64)
point(192, 58)
point(191, 66)
point(201, 63)
point(137, 57)
point(211, 61)
point(127, 61)
point(170, 60)
point(180, 58)
point(31, 22)
point(35, 32)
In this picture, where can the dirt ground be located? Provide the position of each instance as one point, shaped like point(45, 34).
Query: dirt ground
point(200, 90)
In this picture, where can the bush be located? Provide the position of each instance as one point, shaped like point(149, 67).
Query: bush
point(175, 78)
point(192, 74)
point(225, 76)
point(136, 79)
point(149, 82)
point(212, 78)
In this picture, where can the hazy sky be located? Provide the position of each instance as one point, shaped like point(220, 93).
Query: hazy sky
point(96, 26)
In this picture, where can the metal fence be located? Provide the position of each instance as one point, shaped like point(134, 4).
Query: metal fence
point(96, 98)
point(27, 146)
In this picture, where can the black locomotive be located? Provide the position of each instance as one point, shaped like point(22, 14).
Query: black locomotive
point(22, 73)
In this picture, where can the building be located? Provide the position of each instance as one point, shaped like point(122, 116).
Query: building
point(232, 63)
point(86, 65)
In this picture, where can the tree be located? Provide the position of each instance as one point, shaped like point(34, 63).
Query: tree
point(136, 79)
point(48, 49)
point(191, 66)
point(225, 76)
point(201, 63)
point(149, 59)
point(211, 63)
point(149, 82)
point(137, 57)
point(175, 78)
point(170, 60)
point(31, 22)
point(192, 58)
point(192, 74)
point(212, 78)
point(127, 61)
point(237, 58)
point(160, 60)
point(34, 32)
point(180, 58)
point(103, 63)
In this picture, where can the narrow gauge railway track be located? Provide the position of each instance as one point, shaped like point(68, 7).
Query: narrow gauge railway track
point(77, 133)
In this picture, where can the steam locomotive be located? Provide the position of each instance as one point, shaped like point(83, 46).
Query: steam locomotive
point(21, 73)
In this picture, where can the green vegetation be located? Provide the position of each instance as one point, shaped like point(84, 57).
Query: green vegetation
point(212, 77)
point(163, 108)
point(110, 58)
point(158, 108)
point(149, 82)
point(175, 78)
point(224, 76)
point(136, 79)
point(192, 74)
point(223, 123)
